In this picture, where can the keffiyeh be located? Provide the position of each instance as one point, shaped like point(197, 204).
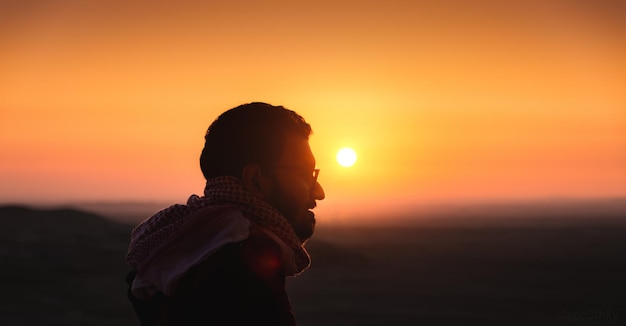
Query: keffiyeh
point(165, 246)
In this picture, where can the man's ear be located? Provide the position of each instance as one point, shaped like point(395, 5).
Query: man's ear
point(253, 179)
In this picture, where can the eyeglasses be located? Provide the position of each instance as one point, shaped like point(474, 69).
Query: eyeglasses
point(314, 175)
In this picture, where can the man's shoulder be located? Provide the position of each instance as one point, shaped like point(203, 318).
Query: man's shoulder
point(241, 280)
point(256, 256)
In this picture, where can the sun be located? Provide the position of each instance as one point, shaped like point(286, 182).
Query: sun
point(346, 157)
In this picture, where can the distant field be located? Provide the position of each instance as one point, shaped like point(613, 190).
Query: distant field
point(65, 267)
point(488, 274)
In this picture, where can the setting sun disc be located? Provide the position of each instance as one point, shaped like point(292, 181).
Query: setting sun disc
point(346, 157)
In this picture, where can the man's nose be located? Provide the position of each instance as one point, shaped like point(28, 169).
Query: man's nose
point(318, 191)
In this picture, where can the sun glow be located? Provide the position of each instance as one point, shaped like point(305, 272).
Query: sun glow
point(421, 100)
point(346, 157)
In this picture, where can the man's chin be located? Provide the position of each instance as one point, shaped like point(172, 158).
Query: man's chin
point(305, 230)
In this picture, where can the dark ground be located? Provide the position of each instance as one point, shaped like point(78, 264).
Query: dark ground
point(65, 267)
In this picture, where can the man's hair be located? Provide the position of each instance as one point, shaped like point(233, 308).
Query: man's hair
point(250, 133)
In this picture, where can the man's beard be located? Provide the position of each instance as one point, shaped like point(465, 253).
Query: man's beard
point(301, 220)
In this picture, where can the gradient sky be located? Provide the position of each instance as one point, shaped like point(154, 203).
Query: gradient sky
point(442, 100)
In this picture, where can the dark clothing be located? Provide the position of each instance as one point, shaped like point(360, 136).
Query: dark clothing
point(241, 284)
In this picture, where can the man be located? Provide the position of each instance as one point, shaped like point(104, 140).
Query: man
point(222, 258)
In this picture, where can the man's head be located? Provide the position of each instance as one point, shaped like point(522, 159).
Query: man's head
point(267, 148)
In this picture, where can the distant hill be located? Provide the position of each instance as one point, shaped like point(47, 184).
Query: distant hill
point(546, 212)
point(62, 267)
point(28, 224)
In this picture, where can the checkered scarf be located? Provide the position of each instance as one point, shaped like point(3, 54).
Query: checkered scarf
point(265, 220)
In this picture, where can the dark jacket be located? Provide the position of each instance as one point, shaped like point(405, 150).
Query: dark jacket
point(241, 284)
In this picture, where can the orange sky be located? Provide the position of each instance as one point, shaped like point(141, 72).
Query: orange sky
point(443, 100)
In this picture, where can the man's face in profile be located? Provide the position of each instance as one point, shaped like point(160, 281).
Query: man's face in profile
point(294, 190)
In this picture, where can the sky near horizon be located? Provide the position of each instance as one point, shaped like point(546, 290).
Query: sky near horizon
point(442, 100)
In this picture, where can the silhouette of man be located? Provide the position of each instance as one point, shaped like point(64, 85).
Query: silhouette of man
point(222, 258)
